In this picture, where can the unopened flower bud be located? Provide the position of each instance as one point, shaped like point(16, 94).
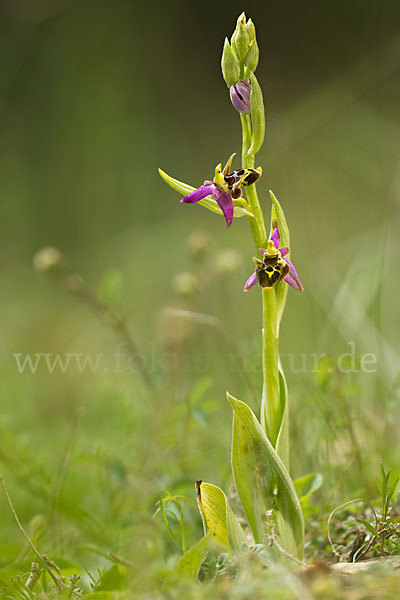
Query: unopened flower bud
point(252, 56)
point(240, 96)
point(251, 30)
point(240, 39)
point(230, 65)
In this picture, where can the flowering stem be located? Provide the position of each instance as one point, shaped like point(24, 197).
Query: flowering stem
point(271, 413)
point(257, 222)
point(271, 410)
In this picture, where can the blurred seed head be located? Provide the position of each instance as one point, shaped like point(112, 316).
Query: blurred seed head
point(49, 260)
point(185, 284)
point(228, 261)
point(199, 243)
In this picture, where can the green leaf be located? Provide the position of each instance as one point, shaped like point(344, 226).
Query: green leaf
point(257, 116)
point(219, 518)
point(113, 579)
point(100, 596)
point(370, 527)
point(306, 486)
point(393, 489)
point(208, 202)
point(278, 217)
point(263, 483)
point(189, 564)
point(282, 443)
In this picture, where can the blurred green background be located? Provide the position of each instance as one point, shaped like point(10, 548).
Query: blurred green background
point(94, 97)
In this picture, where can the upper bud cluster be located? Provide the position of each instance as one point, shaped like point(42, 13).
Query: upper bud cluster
point(240, 56)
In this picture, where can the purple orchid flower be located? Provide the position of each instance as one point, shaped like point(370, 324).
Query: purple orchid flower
point(222, 192)
point(223, 199)
point(240, 96)
point(274, 267)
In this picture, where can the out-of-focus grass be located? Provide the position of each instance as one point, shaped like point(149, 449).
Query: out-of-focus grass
point(84, 128)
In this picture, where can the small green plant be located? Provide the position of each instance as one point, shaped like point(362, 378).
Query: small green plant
point(387, 526)
point(382, 535)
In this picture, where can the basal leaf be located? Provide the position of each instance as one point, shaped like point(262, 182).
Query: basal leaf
point(263, 483)
point(219, 518)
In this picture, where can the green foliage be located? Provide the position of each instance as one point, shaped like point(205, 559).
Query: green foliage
point(257, 112)
point(178, 502)
point(306, 486)
point(263, 484)
point(189, 564)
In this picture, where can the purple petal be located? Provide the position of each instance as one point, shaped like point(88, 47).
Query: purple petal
point(225, 203)
point(240, 96)
point(208, 182)
point(292, 278)
point(284, 251)
point(250, 282)
point(261, 251)
point(275, 238)
point(199, 194)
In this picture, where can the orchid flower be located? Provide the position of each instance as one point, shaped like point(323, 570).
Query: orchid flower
point(274, 266)
point(225, 188)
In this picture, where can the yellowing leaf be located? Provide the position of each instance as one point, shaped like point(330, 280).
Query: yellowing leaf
point(219, 518)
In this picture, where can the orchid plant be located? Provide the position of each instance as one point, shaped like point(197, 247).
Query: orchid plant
point(260, 446)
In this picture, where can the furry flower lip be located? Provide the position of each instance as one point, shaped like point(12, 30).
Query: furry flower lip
point(274, 266)
point(240, 96)
point(225, 187)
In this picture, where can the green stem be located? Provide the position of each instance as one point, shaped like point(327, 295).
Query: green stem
point(257, 223)
point(271, 410)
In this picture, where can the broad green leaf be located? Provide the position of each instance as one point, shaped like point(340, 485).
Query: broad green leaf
point(306, 486)
point(189, 564)
point(219, 518)
point(263, 483)
point(208, 202)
